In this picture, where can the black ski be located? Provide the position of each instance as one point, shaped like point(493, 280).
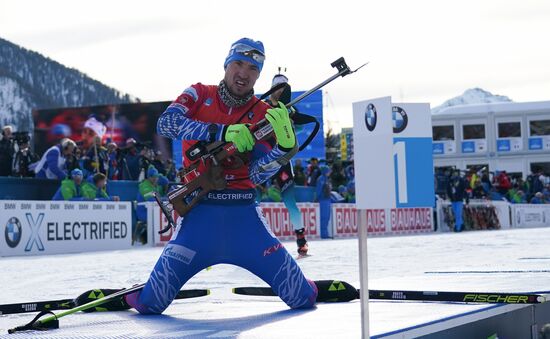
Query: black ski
point(328, 291)
point(67, 304)
point(325, 294)
point(61, 304)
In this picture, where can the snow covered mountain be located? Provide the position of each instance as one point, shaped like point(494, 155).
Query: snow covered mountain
point(30, 81)
point(472, 96)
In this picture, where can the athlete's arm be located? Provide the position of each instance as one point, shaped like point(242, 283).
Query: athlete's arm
point(176, 121)
point(262, 155)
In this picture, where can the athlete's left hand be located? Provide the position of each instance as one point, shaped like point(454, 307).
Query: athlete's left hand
point(280, 120)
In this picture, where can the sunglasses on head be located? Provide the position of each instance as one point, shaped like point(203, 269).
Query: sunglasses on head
point(249, 52)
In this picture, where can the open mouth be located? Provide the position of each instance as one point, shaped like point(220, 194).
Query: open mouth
point(241, 83)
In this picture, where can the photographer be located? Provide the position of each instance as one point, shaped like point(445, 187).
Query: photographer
point(128, 160)
point(24, 156)
point(7, 150)
point(113, 166)
point(145, 159)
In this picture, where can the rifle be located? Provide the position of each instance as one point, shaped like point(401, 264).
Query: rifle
point(205, 173)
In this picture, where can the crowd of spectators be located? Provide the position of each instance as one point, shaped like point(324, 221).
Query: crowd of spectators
point(132, 161)
point(129, 162)
point(340, 186)
point(499, 185)
point(85, 167)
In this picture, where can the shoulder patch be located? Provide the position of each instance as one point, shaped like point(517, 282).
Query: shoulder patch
point(192, 92)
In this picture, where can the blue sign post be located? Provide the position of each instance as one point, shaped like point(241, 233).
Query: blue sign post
point(412, 151)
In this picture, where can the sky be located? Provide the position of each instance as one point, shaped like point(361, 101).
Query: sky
point(418, 51)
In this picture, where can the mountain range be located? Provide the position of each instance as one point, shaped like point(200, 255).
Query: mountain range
point(471, 96)
point(29, 80)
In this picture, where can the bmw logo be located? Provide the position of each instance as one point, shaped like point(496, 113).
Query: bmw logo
point(13, 232)
point(400, 119)
point(371, 117)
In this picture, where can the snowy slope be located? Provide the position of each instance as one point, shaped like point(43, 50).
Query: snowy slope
point(471, 96)
point(411, 262)
point(15, 104)
point(29, 81)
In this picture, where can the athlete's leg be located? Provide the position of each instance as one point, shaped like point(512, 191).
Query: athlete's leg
point(186, 254)
point(256, 249)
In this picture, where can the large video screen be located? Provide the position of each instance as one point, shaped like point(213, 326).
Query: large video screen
point(123, 121)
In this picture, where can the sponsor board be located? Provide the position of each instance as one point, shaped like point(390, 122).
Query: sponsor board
point(275, 214)
point(47, 227)
point(502, 209)
point(278, 219)
point(381, 221)
point(530, 215)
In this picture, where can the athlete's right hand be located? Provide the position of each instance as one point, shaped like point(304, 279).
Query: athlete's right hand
point(240, 135)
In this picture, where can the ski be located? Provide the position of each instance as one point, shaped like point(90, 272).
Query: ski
point(67, 304)
point(302, 256)
point(328, 291)
point(461, 297)
point(34, 306)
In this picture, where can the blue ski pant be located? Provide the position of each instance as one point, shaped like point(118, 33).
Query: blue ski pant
point(457, 207)
point(230, 231)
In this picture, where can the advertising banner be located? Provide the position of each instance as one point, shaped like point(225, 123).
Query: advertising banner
point(278, 219)
point(276, 216)
point(530, 215)
point(46, 227)
point(373, 153)
point(444, 147)
point(412, 151)
point(381, 221)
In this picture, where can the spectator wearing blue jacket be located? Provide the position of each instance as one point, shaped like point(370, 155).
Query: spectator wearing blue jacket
point(52, 163)
point(456, 191)
point(538, 198)
point(322, 196)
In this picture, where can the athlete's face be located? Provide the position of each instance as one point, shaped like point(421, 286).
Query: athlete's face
point(240, 77)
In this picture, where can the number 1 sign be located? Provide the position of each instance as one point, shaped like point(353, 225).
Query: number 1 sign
point(412, 150)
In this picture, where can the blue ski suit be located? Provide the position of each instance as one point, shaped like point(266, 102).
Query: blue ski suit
point(227, 226)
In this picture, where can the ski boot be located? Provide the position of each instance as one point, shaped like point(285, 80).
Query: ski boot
point(335, 291)
point(118, 304)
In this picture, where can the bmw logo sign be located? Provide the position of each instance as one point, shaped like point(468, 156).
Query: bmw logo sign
point(400, 119)
point(13, 232)
point(371, 117)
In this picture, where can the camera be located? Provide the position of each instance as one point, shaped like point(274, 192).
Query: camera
point(21, 137)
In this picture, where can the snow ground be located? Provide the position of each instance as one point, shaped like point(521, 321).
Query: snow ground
point(490, 261)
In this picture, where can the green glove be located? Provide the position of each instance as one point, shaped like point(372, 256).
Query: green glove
point(279, 119)
point(240, 135)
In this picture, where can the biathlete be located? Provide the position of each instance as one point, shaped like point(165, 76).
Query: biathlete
point(227, 226)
